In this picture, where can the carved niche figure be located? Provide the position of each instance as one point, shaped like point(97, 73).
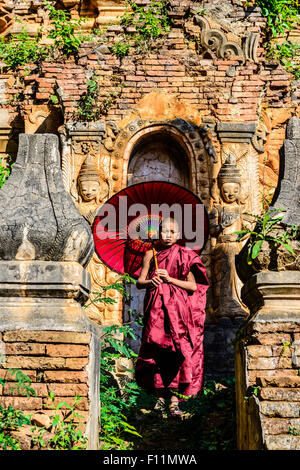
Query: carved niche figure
point(226, 220)
point(92, 190)
point(90, 193)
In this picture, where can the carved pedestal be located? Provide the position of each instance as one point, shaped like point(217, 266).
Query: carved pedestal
point(45, 244)
point(267, 363)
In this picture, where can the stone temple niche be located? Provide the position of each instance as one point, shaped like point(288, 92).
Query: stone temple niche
point(156, 156)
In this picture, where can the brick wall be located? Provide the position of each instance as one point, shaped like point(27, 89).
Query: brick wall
point(268, 363)
point(54, 361)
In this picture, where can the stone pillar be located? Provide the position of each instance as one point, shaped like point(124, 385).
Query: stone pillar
point(45, 246)
point(268, 347)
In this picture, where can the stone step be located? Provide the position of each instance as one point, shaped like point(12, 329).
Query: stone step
point(277, 426)
point(282, 442)
point(282, 381)
point(280, 409)
point(280, 394)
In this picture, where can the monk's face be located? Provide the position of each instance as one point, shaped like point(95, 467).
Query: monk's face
point(169, 233)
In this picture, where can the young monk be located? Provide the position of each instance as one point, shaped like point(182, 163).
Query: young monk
point(171, 353)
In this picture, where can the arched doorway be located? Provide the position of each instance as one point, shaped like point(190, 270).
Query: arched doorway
point(156, 155)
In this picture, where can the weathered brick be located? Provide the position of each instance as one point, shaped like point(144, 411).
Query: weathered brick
point(26, 403)
point(10, 388)
point(67, 350)
point(65, 376)
point(68, 390)
point(272, 338)
point(83, 404)
point(47, 336)
point(275, 381)
point(279, 425)
point(27, 362)
point(269, 362)
point(280, 409)
point(258, 351)
point(282, 442)
point(76, 363)
point(280, 394)
point(25, 348)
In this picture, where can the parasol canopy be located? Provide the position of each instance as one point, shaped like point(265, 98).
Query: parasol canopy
point(127, 224)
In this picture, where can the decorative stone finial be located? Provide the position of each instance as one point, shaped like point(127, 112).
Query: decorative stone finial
point(38, 219)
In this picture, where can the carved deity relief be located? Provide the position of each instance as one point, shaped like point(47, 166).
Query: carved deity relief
point(226, 219)
point(90, 191)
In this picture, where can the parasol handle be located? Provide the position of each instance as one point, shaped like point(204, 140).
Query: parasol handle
point(156, 266)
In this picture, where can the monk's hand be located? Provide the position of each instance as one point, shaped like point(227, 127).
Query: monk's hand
point(156, 280)
point(163, 274)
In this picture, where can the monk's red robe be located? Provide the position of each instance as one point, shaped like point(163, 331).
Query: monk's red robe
point(171, 352)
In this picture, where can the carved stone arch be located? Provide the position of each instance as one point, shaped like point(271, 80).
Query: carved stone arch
point(192, 139)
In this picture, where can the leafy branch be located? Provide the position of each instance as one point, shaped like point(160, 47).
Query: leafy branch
point(266, 224)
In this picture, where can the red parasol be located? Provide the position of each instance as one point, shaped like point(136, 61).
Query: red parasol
point(127, 225)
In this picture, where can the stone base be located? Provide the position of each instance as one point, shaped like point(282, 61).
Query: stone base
point(267, 361)
point(45, 333)
point(64, 362)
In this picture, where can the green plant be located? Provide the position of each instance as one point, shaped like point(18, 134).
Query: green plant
point(266, 229)
point(64, 32)
point(149, 22)
point(281, 15)
point(120, 49)
point(5, 170)
point(20, 49)
point(288, 53)
point(64, 432)
point(10, 420)
point(115, 403)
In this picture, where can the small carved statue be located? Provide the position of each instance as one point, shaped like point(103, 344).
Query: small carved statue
point(226, 220)
point(90, 193)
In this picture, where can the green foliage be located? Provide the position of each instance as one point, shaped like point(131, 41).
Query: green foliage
point(20, 49)
point(63, 31)
point(288, 54)
point(216, 405)
point(23, 382)
point(5, 171)
point(90, 106)
point(116, 403)
point(64, 430)
point(281, 15)
point(266, 229)
point(10, 420)
point(120, 49)
point(149, 22)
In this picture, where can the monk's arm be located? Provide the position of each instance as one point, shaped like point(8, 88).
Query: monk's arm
point(142, 282)
point(189, 284)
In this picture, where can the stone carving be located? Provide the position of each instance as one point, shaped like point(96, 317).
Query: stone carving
point(286, 197)
point(226, 219)
point(259, 139)
point(223, 43)
point(235, 132)
point(49, 225)
point(92, 189)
